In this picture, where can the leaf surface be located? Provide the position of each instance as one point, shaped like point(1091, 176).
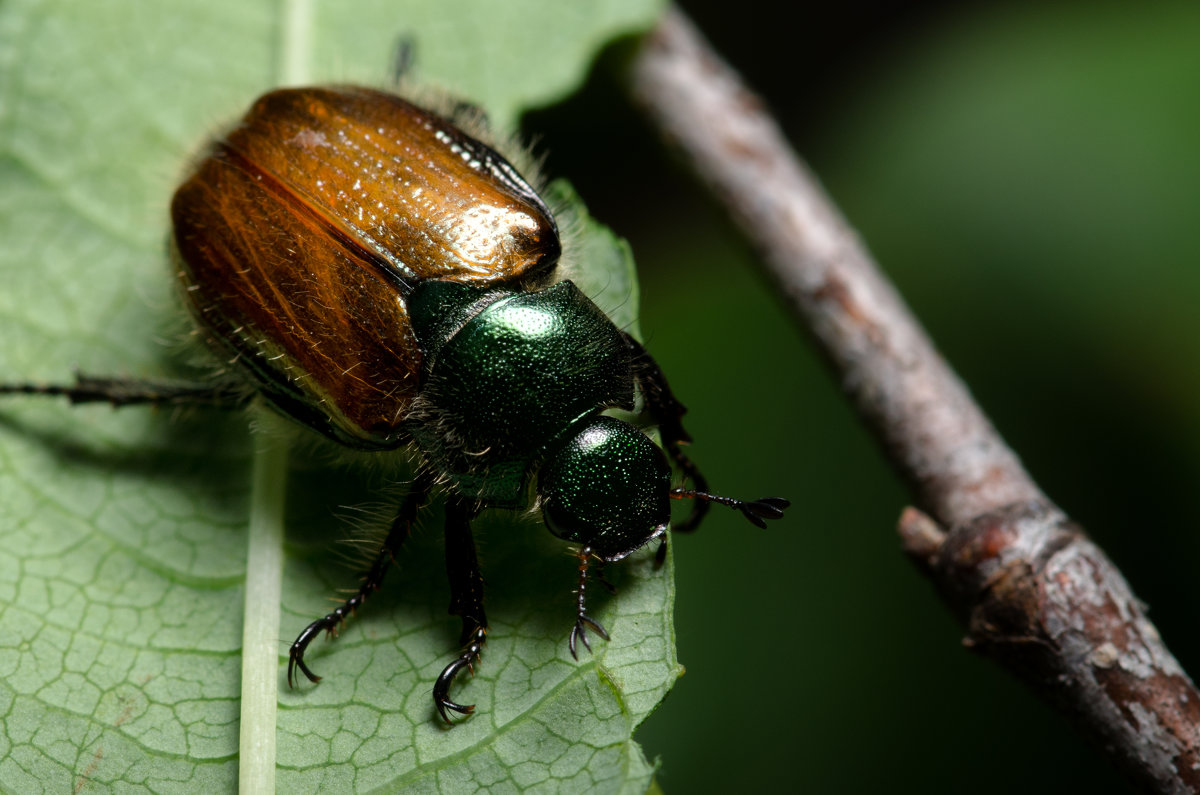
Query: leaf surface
point(123, 535)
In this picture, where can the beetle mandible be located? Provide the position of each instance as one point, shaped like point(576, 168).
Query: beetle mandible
point(376, 274)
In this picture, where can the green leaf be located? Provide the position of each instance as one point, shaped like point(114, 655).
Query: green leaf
point(123, 562)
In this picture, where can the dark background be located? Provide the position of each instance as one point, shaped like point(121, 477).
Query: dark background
point(1028, 174)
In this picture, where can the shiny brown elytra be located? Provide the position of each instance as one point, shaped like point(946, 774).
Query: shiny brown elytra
point(312, 220)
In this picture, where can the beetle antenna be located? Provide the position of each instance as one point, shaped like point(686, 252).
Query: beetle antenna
point(756, 511)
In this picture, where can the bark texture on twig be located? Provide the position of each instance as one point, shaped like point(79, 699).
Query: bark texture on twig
point(1033, 591)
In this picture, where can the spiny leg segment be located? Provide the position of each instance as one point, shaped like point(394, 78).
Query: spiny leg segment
point(466, 601)
point(582, 619)
point(226, 393)
point(371, 580)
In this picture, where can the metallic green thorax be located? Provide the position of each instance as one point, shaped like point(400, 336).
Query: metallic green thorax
point(507, 376)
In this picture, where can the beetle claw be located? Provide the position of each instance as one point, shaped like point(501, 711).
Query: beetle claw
point(579, 632)
point(466, 710)
point(296, 660)
point(441, 690)
point(300, 645)
point(470, 655)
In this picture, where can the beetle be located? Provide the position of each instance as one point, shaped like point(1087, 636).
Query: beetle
point(386, 280)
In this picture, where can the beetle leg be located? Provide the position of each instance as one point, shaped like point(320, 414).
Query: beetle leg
point(371, 581)
point(667, 412)
point(466, 600)
point(403, 57)
point(227, 393)
point(582, 619)
point(598, 574)
point(660, 554)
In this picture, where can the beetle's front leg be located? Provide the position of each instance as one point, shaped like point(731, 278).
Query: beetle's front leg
point(466, 600)
point(582, 619)
point(667, 412)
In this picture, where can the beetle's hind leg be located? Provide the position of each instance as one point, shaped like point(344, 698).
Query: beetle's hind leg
point(227, 393)
point(372, 579)
point(466, 601)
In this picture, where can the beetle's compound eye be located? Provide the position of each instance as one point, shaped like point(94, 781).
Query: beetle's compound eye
point(607, 487)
